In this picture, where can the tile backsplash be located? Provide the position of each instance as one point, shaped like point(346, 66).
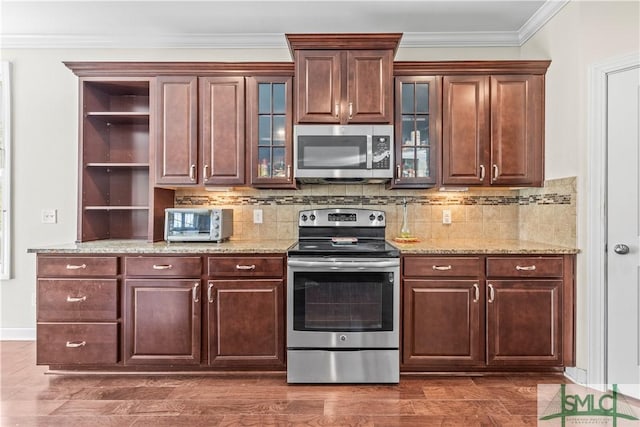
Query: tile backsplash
point(546, 214)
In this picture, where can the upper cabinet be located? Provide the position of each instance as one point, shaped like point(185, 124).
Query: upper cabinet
point(200, 130)
point(344, 78)
point(269, 131)
point(487, 128)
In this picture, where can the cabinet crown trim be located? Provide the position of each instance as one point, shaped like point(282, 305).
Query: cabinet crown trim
point(408, 68)
point(152, 69)
point(343, 41)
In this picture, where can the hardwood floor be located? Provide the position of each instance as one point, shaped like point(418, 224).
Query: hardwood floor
point(29, 397)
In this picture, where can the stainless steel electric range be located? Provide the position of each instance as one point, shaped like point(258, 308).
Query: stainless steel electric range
point(343, 299)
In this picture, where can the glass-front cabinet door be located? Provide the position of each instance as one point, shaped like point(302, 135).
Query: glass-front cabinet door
point(417, 136)
point(270, 131)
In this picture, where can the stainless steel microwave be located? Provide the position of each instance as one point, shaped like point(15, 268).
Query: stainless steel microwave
point(343, 153)
point(197, 224)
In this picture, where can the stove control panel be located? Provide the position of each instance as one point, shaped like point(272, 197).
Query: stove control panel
point(341, 217)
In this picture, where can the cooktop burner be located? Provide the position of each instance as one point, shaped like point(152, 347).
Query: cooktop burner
point(369, 248)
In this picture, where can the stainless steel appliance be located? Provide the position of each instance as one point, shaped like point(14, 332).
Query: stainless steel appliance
point(343, 153)
point(197, 224)
point(343, 299)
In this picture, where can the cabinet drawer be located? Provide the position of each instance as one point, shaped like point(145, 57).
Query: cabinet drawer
point(163, 266)
point(77, 343)
point(442, 266)
point(525, 267)
point(269, 266)
point(49, 266)
point(77, 300)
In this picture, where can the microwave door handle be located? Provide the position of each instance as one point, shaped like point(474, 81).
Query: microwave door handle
point(369, 152)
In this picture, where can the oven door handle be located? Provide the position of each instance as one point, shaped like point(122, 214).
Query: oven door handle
point(334, 265)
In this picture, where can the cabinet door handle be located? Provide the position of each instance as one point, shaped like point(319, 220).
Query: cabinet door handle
point(192, 173)
point(288, 172)
point(441, 267)
point(205, 172)
point(495, 172)
point(482, 172)
point(492, 293)
point(351, 110)
point(76, 267)
point(337, 110)
point(526, 267)
point(476, 292)
point(210, 293)
point(76, 344)
point(196, 294)
point(76, 299)
point(246, 267)
point(398, 173)
point(162, 266)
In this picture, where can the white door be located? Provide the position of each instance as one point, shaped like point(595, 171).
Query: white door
point(623, 231)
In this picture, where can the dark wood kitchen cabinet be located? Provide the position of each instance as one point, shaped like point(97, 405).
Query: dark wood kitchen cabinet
point(162, 310)
point(113, 185)
point(200, 130)
point(245, 312)
point(344, 78)
point(78, 310)
point(417, 131)
point(443, 312)
point(493, 130)
point(269, 131)
point(488, 313)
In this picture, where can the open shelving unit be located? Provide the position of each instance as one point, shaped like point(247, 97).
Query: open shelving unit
point(114, 153)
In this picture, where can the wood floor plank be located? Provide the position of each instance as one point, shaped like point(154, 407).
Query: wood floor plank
point(29, 397)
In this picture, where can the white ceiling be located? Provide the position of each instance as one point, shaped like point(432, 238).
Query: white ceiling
point(263, 23)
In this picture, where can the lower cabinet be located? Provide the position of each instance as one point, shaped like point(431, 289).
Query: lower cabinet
point(162, 313)
point(245, 312)
point(512, 312)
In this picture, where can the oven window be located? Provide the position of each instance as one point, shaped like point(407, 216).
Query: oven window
point(332, 152)
point(343, 301)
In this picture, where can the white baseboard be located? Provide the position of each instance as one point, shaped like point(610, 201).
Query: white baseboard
point(17, 334)
point(577, 375)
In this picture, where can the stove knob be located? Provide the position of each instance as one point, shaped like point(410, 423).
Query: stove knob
point(216, 226)
point(312, 217)
point(380, 217)
point(303, 217)
point(372, 217)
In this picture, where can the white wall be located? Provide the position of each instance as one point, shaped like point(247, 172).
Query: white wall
point(581, 34)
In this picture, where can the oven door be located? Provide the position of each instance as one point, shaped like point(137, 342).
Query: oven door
point(349, 303)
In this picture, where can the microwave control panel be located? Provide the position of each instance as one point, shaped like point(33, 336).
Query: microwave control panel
point(381, 152)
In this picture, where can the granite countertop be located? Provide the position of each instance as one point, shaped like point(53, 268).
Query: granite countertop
point(424, 246)
point(143, 247)
point(480, 246)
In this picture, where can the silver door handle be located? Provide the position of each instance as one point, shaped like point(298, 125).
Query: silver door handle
point(205, 172)
point(76, 267)
point(336, 265)
point(482, 172)
point(196, 294)
point(621, 249)
point(76, 299)
point(162, 266)
point(75, 344)
point(526, 267)
point(495, 172)
point(245, 267)
point(492, 293)
point(192, 173)
point(210, 293)
point(441, 267)
point(476, 292)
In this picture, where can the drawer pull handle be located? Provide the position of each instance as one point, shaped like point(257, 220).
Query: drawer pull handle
point(246, 267)
point(526, 268)
point(492, 294)
point(476, 292)
point(162, 266)
point(76, 267)
point(442, 267)
point(76, 299)
point(76, 344)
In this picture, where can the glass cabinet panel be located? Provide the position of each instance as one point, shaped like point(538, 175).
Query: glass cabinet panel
point(271, 129)
point(414, 140)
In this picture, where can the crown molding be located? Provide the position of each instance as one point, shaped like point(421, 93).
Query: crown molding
point(460, 39)
point(539, 19)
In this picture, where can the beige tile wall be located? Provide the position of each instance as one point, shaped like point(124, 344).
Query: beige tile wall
point(505, 219)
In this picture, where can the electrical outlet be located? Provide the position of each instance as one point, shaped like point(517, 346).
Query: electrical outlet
point(257, 216)
point(49, 216)
point(446, 216)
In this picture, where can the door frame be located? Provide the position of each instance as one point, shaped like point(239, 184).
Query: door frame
point(596, 230)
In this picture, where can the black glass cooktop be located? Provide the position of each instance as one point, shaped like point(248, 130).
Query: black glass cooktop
point(373, 248)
